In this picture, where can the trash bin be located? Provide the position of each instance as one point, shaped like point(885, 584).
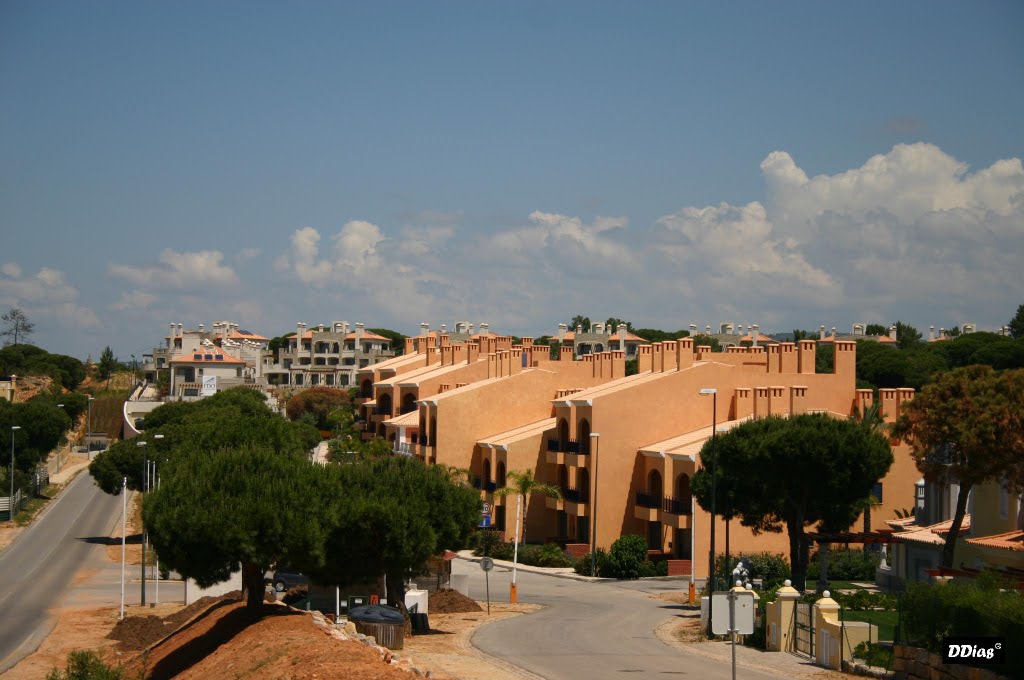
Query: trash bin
point(385, 624)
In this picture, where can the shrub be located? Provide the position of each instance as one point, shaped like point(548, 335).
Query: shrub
point(627, 556)
point(548, 555)
point(874, 654)
point(600, 561)
point(982, 608)
point(483, 541)
point(85, 666)
point(771, 568)
point(649, 569)
point(846, 565)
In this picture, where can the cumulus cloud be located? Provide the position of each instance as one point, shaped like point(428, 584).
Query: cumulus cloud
point(133, 300)
point(179, 271)
point(909, 230)
point(913, 234)
point(353, 253)
point(44, 294)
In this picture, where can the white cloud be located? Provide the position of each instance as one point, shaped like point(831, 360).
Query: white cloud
point(179, 270)
point(909, 230)
point(45, 294)
point(246, 254)
point(133, 300)
point(912, 234)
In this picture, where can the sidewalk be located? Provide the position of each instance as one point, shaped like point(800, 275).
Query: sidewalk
point(780, 663)
point(68, 472)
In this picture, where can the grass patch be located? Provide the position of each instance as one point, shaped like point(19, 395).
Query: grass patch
point(885, 620)
point(35, 505)
point(845, 585)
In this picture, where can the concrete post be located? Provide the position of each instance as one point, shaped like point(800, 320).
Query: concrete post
point(780, 615)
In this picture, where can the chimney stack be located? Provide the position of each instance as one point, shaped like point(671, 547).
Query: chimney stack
point(756, 332)
point(693, 329)
point(562, 329)
point(892, 332)
point(821, 332)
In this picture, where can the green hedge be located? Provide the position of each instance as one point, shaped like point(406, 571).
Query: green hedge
point(846, 565)
point(971, 608)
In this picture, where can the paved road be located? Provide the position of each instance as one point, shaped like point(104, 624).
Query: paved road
point(37, 570)
point(589, 630)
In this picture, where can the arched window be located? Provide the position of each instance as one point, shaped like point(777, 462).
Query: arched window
point(583, 484)
point(409, 403)
point(583, 436)
point(683, 489)
point(384, 405)
point(654, 483)
point(366, 389)
point(563, 478)
point(563, 434)
point(500, 474)
point(486, 476)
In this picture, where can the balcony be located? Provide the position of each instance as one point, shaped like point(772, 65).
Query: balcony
point(381, 411)
point(647, 506)
point(402, 449)
point(574, 495)
point(676, 506)
point(556, 446)
point(490, 487)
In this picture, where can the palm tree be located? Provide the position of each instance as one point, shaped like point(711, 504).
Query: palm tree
point(873, 420)
point(525, 485)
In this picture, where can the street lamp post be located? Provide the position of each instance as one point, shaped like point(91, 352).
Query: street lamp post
point(593, 509)
point(88, 438)
point(145, 486)
point(714, 485)
point(10, 500)
point(156, 481)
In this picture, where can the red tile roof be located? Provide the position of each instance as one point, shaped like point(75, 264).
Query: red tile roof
point(208, 355)
point(1011, 540)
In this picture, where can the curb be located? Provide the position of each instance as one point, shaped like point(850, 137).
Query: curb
point(543, 571)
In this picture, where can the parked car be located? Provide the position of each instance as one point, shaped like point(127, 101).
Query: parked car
point(285, 579)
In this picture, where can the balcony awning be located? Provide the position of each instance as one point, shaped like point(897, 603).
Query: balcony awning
point(685, 446)
point(412, 418)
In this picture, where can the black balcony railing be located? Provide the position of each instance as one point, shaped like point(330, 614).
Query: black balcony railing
point(477, 483)
point(676, 506)
point(381, 411)
point(491, 486)
point(556, 446)
point(574, 495)
point(646, 499)
point(424, 440)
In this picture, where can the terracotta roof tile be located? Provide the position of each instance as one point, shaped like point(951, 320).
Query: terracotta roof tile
point(1011, 540)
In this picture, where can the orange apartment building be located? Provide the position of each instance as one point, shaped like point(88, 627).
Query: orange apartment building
point(630, 443)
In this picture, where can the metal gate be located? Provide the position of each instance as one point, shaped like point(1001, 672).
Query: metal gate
point(803, 629)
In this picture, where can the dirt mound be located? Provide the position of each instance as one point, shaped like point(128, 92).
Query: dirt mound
point(451, 602)
point(138, 632)
point(283, 643)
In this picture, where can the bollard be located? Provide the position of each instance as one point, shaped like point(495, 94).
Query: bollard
point(693, 593)
point(512, 594)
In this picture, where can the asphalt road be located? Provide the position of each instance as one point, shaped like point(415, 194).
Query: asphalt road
point(37, 570)
point(589, 630)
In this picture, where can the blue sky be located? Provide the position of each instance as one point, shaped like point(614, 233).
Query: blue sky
point(788, 164)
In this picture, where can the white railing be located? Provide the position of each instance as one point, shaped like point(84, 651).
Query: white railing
point(402, 449)
point(5, 503)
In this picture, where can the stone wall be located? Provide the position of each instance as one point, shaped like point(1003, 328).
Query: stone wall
point(912, 663)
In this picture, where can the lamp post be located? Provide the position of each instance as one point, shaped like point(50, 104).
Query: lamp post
point(593, 509)
point(60, 463)
point(714, 479)
point(714, 485)
point(145, 486)
point(156, 480)
point(10, 500)
point(88, 438)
